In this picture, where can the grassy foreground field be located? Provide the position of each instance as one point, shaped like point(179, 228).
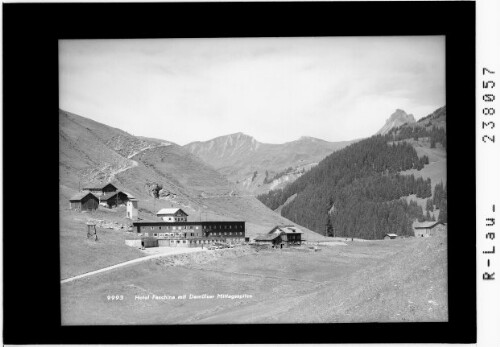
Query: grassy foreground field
point(374, 281)
point(79, 255)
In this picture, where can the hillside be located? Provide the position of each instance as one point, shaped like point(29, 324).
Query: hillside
point(361, 190)
point(91, 153)
point(252, 165)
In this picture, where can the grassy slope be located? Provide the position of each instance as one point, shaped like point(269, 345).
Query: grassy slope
point(393, 280)
point(90, 152)
point(435, 170)
point(79, 255)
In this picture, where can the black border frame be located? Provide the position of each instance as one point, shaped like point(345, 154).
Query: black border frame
point(30, 143)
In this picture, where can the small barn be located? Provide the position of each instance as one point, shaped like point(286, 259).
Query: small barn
point(426, 229)
point(390, 236)
point(172, 215)
point(290, 234)
point(281, 235)
point(101, 189)
point(269, 239)
point(148, 242)
point(114, 199)
point(84, 201)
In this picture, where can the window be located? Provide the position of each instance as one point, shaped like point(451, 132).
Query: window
point(151, 228)
point(229, 227)
point(230, 233)
point(155, 234)
point(159, 228)
point(225, 233)
point(196, 228)
point(220, 233)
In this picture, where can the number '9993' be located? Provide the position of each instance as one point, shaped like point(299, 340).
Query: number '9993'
point(114, 297)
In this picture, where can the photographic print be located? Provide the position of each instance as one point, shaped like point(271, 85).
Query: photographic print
point(253, 180)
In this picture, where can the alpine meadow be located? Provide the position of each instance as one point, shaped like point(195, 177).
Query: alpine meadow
point(253, 180)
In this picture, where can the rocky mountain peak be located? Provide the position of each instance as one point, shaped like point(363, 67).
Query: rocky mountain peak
point(398, 118)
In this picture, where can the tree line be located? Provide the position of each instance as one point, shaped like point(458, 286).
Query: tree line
point(435, 134)
point(357, 191)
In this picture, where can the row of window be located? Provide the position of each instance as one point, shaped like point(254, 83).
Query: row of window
point(174, 234)
point(181, 227)
point(225, 233)
point(185, 227)
point(199, 241)
point(220, 227)
point(191, 234)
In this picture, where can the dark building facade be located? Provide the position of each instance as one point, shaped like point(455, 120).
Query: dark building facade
point(114, 199)
point(192, 234)
point(84, 201)
point(287, 235)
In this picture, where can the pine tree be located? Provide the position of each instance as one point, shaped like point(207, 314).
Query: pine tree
point(329, 227)
point(429, 206)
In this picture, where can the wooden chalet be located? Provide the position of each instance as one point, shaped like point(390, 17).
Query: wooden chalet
point(426, 229)
point(101, 189)
point(113, 199)
point(172, 215)
point(281, 235)
point(84, 201)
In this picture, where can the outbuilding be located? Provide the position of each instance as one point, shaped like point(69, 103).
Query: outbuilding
point(426, 229)
point(281, 235)
point(390, 236)
point(269, 239)
point(84, 201)
point(114, 199)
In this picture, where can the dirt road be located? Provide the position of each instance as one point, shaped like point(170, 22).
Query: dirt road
point(165, 251)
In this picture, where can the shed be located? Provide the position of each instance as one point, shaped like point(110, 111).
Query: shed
point(426, 229)
point(269, 239)
point(114, 199)
point(84, 201)
point(148, 242)
point(390, 236)
point(172, 215)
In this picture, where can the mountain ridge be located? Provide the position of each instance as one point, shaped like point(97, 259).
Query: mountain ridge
point(249, 163)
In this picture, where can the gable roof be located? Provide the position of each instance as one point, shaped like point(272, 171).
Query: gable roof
point(99, 186)
point(111, 195)
point(266, 237)
point(170, 211)
point(287, 229)
point(79, 196)
point(391, 235)
point(425, 225)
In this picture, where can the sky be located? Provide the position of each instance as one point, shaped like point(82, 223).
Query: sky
point(274, 89)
